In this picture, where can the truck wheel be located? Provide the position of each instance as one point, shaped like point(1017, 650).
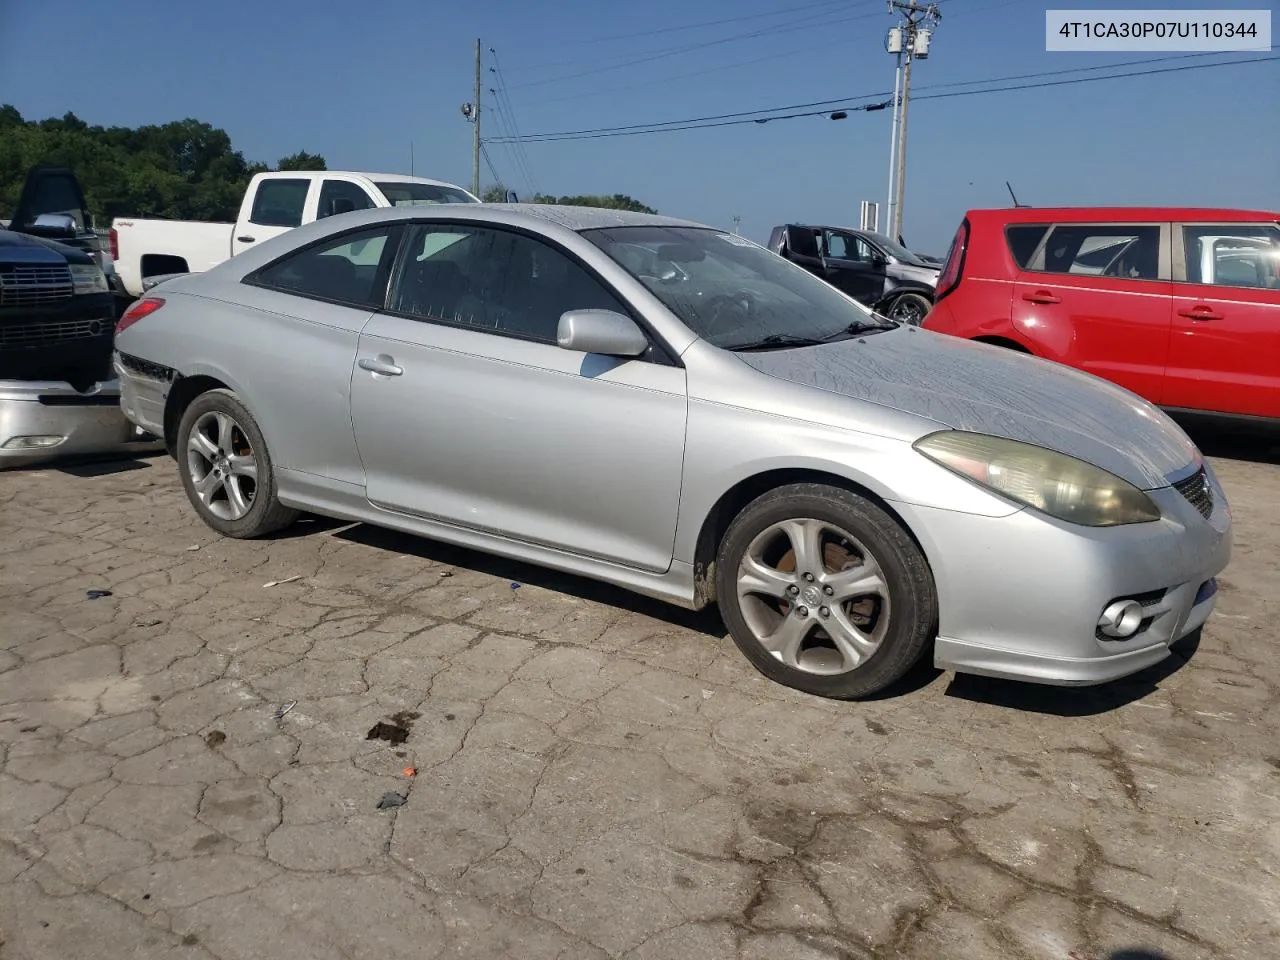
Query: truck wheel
point(824, 592)
point(226, 468)
point(910, 308)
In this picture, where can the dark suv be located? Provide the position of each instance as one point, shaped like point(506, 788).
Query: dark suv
point(58, 392)
point(870, 267)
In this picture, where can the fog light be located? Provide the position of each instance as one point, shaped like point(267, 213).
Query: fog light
point(1121, 619)
point(32, 443)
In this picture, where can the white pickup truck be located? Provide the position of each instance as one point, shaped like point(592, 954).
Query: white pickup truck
point(273, 204)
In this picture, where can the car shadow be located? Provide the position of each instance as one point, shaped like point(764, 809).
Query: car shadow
point(1232, 441)
point(1074, 701)
point(704, 621)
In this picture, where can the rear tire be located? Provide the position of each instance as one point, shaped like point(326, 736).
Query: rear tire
point(824, 592)
point(226, 468)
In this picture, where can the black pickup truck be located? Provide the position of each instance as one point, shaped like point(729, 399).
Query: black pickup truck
point(58, 393)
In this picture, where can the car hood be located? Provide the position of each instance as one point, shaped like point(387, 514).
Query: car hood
point(992, 390)
point(20, 248)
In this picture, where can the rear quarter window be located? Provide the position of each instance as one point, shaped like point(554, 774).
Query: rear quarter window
point(1023, 239)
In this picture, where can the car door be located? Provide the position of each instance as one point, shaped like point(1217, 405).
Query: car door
point(804, 248)
point(1224, 354)
point(466, 411)
point(1097, 296)
point(277, 207)
point(853, 265)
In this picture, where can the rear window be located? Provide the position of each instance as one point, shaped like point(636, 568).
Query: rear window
point(1023, 240)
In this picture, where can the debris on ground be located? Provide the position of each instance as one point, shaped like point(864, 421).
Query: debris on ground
point(285, 708)
point(276, 583)
point(410, 771)
point(395, 729)
point(514, 585)
point(446, 573)
point(97, 594)
point(215, 738)
point(193, 548)
point(391, 800)
point(148, 622)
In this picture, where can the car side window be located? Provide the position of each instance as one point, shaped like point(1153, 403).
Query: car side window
point(1233, 254)
point(279, 203)
point(341, 196)
point(496, 280)
point(1128, 251)
point(837, 248)
point(862, 250)
point(346, 269)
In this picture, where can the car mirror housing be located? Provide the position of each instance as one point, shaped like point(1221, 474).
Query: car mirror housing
point(604, 332)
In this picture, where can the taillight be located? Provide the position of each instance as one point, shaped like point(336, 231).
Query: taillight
point(140, 309)
point(115, 244)
point(949, 278)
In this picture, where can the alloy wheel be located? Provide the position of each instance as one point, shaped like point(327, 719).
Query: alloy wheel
point(813, 596)
point(222, 465)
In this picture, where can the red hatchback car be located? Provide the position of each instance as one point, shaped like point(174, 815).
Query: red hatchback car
point(1181, 306)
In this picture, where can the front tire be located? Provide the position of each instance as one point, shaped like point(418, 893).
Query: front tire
point(910, 308)
point(226, 468)
point(824, 592)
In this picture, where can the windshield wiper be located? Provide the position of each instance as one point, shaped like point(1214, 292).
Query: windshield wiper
point(861, 328)
point(778, 340)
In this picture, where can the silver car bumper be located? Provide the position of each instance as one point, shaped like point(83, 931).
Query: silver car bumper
point(44, 420)
point(144, 391)
point(1020, 596)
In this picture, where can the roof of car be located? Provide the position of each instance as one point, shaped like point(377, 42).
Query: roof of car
point(1122, 214)
point(589, 218)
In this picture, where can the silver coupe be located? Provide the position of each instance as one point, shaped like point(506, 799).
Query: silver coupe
point(677, 410)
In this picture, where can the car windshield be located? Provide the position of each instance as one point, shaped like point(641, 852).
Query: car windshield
point(897, 250)
point(422, 194)
point(732, 292)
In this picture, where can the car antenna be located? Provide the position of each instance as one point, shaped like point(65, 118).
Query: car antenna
point(1014, 195)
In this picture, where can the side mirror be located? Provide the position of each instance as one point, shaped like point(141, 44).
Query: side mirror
point(54, 225)
point(601, 331)
point(511, 197)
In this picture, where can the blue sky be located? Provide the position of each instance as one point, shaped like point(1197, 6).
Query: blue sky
point(359, 83)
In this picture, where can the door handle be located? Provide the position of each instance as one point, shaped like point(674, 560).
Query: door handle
point(247, 239)
point(1200, 312)
point(381, 364)
point(1041, 296)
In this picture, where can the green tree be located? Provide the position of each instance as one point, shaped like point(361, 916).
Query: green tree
point(184, 169)
point(494, 194)
point(302, 161)
point(617, 201)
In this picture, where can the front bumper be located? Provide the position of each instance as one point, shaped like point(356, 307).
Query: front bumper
point(1020, 596)
point(64, 422)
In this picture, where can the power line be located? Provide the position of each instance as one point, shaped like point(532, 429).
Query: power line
point(682, 28)
point(508, 113)
point(688, 48)
point(752, 116)
point(488, 161)
point(605, 91)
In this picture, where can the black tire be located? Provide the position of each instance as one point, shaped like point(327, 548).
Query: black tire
point(265, 514)
point(911, 602)
point(910, 308)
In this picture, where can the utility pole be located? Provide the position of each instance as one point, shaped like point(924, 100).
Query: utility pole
point(471, 111)
point(475, 133)
point(909, 40)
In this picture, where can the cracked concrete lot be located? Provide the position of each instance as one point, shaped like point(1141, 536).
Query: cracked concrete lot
point(597, 775)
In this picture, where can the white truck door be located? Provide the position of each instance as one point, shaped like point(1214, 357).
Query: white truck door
point(274, 205)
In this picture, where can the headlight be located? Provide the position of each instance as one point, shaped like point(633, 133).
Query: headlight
point(1051, 482)
point(87, 278)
